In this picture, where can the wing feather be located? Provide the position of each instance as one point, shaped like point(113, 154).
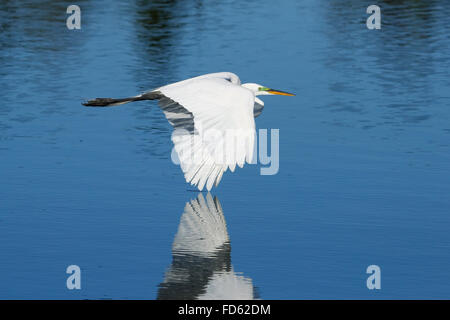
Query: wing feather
point(214, 126)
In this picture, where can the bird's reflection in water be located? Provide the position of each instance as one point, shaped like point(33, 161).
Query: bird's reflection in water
point(201, 266)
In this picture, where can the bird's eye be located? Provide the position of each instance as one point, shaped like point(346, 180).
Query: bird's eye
point(263, 89)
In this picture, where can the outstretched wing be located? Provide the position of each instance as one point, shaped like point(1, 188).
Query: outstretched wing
point(214, 126)
point(258, 107)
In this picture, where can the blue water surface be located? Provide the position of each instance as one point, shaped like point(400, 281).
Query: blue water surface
point(364, 151)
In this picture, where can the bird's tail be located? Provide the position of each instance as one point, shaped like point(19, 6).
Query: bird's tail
point(111, 102)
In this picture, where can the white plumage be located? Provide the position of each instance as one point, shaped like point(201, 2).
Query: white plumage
point(213, 119)
point(222, 110)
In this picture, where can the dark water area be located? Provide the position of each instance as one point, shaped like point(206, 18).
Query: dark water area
point(364, 152)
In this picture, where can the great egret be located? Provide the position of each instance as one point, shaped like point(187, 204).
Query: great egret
point(213, 119)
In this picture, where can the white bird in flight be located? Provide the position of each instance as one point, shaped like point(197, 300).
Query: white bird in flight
point(213, 119)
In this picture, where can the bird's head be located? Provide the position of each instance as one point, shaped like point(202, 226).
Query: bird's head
point(261, 90)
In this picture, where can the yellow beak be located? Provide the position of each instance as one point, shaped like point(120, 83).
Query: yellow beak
point(281, 93)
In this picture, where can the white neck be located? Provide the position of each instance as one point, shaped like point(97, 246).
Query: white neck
point(254, 87)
